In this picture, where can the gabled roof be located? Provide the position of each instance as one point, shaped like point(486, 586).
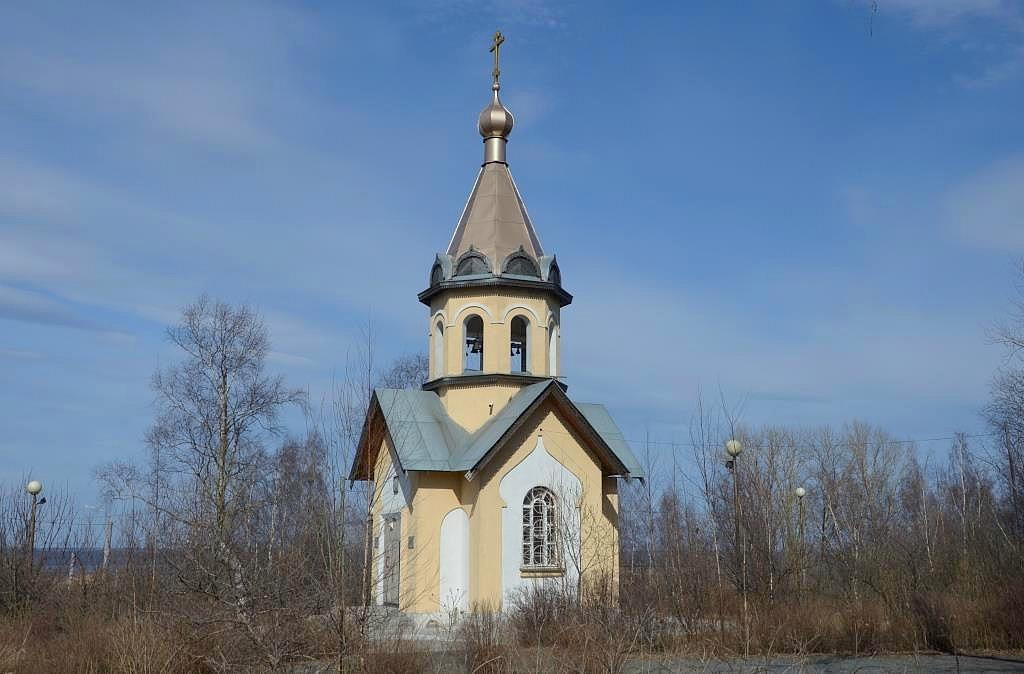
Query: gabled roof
point(606, 427)
point(420, 428)
point(426, 438)
point(495, 221)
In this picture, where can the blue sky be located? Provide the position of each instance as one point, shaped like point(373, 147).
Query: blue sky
point(813, 206)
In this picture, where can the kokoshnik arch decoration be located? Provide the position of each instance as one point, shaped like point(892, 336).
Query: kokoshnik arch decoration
point(490, 478)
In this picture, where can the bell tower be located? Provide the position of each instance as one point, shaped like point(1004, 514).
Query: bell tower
point(495, 297)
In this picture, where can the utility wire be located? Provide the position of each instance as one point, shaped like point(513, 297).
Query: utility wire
point(671, 443)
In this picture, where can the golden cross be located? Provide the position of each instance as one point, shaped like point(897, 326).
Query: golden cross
point(496, 47)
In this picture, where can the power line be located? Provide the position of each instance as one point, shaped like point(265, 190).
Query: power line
point(911, 441)
point(890, 441)
point(635, 442)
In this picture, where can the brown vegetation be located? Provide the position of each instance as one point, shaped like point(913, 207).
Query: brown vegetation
point(880, 555)
point(237, 547)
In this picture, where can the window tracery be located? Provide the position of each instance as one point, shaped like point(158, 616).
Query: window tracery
point(539, 533)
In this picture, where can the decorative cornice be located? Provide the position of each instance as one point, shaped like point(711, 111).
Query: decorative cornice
point(564, 298)
point(487, 379)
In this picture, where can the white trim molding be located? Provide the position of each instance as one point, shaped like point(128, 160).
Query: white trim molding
point(538, 469)
point(472, 305)
point(523, 307)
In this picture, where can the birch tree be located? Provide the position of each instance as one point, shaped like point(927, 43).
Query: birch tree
point(216, 409)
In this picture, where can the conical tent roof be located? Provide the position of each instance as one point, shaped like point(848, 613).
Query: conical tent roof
point(495, 221)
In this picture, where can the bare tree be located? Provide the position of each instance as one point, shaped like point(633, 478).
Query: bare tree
point(344, 525)
point(22, 568)
point(1005, 416)
point(409, 371)
point(216, 409)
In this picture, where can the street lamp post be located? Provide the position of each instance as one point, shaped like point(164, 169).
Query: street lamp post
point(800, 492)
point(733, 448)
point(34, 488)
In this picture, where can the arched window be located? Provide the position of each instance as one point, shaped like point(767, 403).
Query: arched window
point(540, 538)
point(473, 356)
point(552, 350)
point(521, 265)
point(472, 264)
point(439, 349)
point(555, 274)
point(518, 356)
point(436, 274)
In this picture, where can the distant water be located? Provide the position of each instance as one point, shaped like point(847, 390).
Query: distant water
point(86, 559)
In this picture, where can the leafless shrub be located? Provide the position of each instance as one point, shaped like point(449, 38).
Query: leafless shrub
point(587, 632)
point(246, 549)
point(142, 645)
point(482, 635)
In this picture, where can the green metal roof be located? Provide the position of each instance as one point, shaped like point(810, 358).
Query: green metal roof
point(423, 433)
point(606, 427)
point(491, 432)
point(426, 438)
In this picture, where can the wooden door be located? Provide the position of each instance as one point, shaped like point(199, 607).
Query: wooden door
point(392, 565)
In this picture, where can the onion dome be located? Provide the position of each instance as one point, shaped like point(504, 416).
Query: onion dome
point(495, 120)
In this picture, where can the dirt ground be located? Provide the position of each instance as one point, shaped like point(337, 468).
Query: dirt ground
point(838, 664)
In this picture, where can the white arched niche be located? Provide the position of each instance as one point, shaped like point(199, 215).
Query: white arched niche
point(538, 469)
point(552, 349)
point(438, 359)
point(454, 589)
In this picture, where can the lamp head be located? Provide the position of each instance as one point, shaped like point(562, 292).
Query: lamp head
point(34, 487)
point(733, 448)
point(800, 492)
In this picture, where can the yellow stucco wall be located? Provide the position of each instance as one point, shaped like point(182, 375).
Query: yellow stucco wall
point(381, 469)
point(469, 403)
point(472, 405)
point(497, 309)
point(435, 494)
point(599, 508)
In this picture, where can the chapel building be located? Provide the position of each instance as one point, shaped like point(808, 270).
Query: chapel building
point(490, 478)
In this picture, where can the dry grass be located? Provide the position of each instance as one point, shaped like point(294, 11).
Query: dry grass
point(84, 644)
point(547, 631)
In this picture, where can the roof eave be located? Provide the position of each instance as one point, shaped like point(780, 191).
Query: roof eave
point(355, 474)
point(619, 468)
point(487, 378)
point(564, 298)
point(374, 409)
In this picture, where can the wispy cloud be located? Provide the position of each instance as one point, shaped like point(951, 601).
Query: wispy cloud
point(34, 307)
point(943, 13)
point(33, 260)
point(202, 80)
point(21, 354)
point(958, 21)
point(837, 348)
point(198, 107)
point(528, 12)
point(244, 151)
point(282, 358)
point(29, 189)
point(987, 209)
point(1010, 67)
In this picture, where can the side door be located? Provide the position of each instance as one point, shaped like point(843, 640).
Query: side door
point(392, 562)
